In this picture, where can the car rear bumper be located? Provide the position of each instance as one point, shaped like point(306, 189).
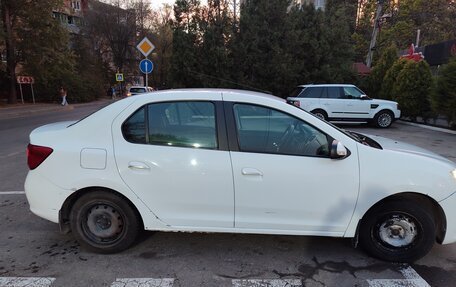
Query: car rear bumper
point(449, 207)
point(44, 197)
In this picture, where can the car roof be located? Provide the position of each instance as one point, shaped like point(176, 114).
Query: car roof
point(326, 85)
point(228, 93)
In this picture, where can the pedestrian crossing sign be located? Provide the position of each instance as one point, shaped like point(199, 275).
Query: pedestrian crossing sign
point(119, 78)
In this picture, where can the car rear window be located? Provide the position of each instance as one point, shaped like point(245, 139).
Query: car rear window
point(312, 92)
point(137, 90)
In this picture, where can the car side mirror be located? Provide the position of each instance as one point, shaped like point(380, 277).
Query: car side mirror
point(364, 97)
point(338, 150)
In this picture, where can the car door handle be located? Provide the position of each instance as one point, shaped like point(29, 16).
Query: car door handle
point(251, 171)
point(138, 165)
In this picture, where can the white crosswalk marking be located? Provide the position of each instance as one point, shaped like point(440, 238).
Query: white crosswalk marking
point(412, 279)
point(142, 282)
point(26, 281)
point(11, 192)
point(267, 283)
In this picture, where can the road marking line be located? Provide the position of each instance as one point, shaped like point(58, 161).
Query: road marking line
point(11, 192)
point(267, 282)
point(412, 279)
point(26, 281)
point(143, 282)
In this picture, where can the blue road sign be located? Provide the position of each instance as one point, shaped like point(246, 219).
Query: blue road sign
point(146, 66)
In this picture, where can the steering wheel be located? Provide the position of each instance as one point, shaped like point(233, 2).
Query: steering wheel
point(286, 135)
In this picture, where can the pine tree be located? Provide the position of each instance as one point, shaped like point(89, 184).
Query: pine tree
point(444, 98)
point(390, 78)
point(386, 61)
point(185, 65)
point(412, 89)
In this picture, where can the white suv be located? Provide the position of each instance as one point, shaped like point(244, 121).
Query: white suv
point(338, 102)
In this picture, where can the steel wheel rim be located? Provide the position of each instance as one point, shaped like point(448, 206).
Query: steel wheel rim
point(384, 120)
point(398, 231)
point(103, 223)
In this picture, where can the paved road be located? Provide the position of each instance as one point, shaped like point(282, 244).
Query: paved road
point(33, 249)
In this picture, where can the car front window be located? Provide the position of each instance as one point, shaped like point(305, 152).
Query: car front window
point(352, 93)
point(266, 130)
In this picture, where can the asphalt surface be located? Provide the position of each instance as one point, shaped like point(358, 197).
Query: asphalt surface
point(33, 247)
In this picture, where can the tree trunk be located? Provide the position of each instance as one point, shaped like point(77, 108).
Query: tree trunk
point(10, 52)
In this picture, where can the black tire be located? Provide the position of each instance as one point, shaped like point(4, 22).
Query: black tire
point(384, 119)
point(397, 231)
point(320, 114)
point(104, 222)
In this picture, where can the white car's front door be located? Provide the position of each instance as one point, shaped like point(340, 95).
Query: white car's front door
point(284, 178)
point(169, 155)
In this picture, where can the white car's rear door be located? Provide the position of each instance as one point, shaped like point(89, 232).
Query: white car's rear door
point(175, 162)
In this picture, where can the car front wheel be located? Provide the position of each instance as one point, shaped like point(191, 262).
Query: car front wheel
point(397, 231)
point(104, 222)
point(383, 119)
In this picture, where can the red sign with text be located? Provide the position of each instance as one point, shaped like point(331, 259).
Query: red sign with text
point(25, 80)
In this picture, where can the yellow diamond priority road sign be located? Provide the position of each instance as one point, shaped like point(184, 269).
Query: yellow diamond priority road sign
point(145, 47)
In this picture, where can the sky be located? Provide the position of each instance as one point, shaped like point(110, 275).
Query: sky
point(158, 3)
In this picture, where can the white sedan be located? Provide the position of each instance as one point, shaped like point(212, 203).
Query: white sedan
point(234, 161)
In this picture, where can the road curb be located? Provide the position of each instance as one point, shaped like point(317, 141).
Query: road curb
point(428, 127)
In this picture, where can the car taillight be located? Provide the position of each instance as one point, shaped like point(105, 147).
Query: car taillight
point(294, 103)
point(37, 154)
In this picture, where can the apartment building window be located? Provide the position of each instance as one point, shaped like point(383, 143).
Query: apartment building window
point(76, 5)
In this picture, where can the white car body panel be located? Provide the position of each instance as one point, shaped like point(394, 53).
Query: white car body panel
point(212, 180)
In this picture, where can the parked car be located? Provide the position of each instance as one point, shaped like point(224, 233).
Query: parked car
point(338, 102)
point(134, 90)
point(210, 160)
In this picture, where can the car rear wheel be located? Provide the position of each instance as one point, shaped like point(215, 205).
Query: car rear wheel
point(397, 231)
point(383, 119)
point(320, 114)
point(104, 222)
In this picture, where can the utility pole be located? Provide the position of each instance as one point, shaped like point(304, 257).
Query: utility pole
point(373, 41)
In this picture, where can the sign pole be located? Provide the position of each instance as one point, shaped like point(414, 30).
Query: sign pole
point(33, 94)
point(147, 82)
point(22, 96)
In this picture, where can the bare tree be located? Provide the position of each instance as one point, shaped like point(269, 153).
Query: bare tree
point(9, 9)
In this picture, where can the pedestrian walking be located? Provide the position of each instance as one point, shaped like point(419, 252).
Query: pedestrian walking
point(113, 93)
point(63, 94)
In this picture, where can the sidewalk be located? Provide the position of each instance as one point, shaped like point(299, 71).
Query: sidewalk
point(21, 110)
